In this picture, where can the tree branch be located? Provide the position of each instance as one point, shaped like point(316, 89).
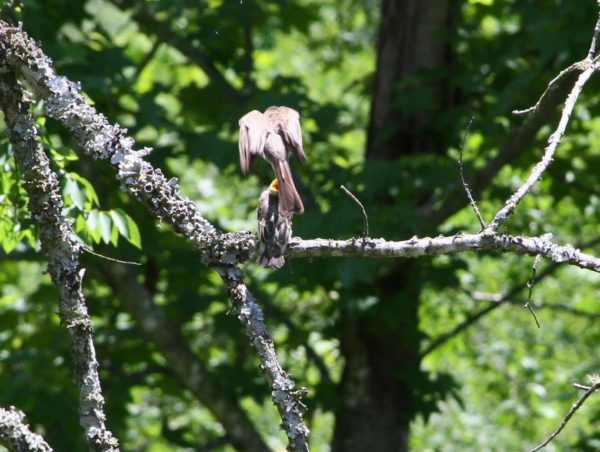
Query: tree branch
point(190, 370)
point(61, 250)
point(569, 415)
point(472, 318)
point(553, 142)
point(287, 399)
point(194, 53)
point(435, 212)
point(15, 435)
point(464, 182)
point(497, 300)
point(103, 141)
point(427, 246)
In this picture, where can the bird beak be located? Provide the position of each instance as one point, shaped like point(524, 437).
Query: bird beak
point(274, 186)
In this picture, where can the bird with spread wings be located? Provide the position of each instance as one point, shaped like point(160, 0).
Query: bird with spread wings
point(274, 135)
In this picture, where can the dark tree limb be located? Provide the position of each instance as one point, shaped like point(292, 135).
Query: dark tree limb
point(61, 250)
point(16, 436)
point(474, 317)
point(193, 52)
point(190, 370)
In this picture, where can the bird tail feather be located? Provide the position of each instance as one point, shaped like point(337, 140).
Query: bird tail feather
point(289, 199)
point(267, 260)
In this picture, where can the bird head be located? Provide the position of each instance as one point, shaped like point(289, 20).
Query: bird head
point(274, 187)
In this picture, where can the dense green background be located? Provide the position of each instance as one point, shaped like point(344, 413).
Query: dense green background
point(501, 384)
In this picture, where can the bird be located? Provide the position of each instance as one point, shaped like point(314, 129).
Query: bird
point(274, 135)
point(274, 227)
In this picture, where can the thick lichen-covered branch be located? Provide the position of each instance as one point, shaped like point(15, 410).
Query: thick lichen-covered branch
point(15, 435)
point(96, 137)
point(61, 250)
point(286, 397)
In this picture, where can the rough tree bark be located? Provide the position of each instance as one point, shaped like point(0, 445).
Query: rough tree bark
point(377, 391)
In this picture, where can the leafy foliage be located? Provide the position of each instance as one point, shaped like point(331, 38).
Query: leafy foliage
point(179, 74)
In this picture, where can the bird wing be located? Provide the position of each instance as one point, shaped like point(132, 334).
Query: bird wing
point(286, 122)
point(254, 128)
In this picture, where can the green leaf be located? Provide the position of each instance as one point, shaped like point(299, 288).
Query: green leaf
point(88, 189)
point(114, 235)
point(61, 155)
point(105, 224)
point(134, 233)
point(93, 221)
point(73, 191)
point(120, 222)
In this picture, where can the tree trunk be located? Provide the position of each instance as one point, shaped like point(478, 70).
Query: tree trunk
point(412, 57)
point(382, 383)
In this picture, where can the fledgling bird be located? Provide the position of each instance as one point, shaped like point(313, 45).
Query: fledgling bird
point(274, 227)
point(274, 135)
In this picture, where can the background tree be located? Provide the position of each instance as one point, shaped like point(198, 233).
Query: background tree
point(385, 91)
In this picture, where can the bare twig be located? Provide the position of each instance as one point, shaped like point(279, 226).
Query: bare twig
point(436, 210)
point(569, 415)
point(462, 176)
point(497, 300)
point(474, 317)
point(530, 283)
point(582, 387)
point(61, 249)
point(589, 66)
point(362, 208)
point(15, 434)
point(592, 52)
point(90, 251)
point(553, 142)
point(579, 66)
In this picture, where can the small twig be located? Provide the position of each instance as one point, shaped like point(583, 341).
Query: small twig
point(552, 85)
point(592, 51)
point(553, 143)
point(462, 176)
point(495, 303)
point(359, 204)
point(580, 65)
point(580, 386)
point(88, 250)
point(588, 67)
point(530, 284)
point(569, 415)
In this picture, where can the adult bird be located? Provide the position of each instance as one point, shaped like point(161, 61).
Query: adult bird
point(274, 135)
point(274, 227)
